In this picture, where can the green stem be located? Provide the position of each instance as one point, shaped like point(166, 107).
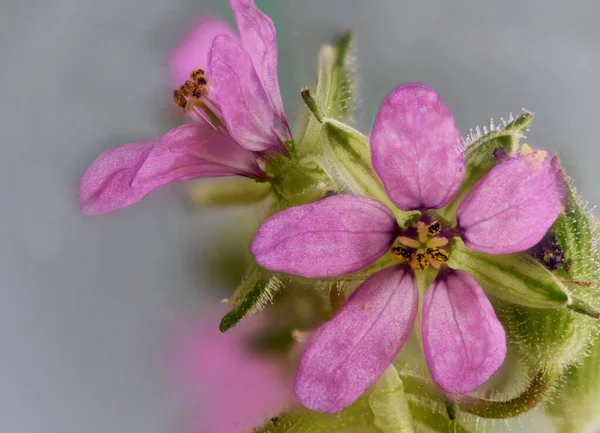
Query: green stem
point(514, 407)
point(526, 401)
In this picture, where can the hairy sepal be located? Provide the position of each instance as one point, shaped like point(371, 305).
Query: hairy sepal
point(515, 278)
point(254, 292)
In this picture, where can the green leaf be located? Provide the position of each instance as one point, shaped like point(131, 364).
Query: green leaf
point(515, 278)
point(357, 416)
point(481, 156)
point(253, 293)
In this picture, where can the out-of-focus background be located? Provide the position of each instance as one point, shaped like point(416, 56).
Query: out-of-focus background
point(86, 303)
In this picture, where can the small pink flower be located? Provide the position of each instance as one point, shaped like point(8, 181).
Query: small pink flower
point(234, 105)
point(226, 385)
point(416, 153)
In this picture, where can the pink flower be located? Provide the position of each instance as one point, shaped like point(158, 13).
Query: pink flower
point(228, 386)
point(234, 105)
point(416, 153)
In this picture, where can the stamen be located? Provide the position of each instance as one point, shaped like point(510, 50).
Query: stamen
point(192, 91)
point(434, 228)
point(435, 263)
point(437, 242)
point(420, 262)
point(437, 254)
point(179, 99)
point(402, 253)
point(408, 242)
point(188, 87)
point(197, 74)
point(422, 231)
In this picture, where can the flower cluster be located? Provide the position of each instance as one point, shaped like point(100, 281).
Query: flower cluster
point(446, 264)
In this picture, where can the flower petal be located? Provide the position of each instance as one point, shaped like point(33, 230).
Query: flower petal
point(347, 354)
point(246, 108)
point(334, 236)
point(258, 37)
point(193, 151)
point(416, 148)
point(463, 340)
point(192, 53)
point(512, 207)
point(124, 174)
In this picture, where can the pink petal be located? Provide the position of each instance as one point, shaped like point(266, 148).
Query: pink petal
point(513, 206)
point(415, 148)
point(227, 387)
point(334, 236)
point(192, 53)
point(258, 37)
point(245, 106)
point(347, 354)
point(463, 340)
point(124, 174)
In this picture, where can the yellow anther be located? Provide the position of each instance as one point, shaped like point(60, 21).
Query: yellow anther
point(408, 242)
point(434, 228)
point(188, 87)
point(197, 74)
point(437, 254)
point(422, 231)
point(195, 88)
point(419, 262)
point(437, 242)
point(366, 307)
point(402, 253)
point(179, 99)
point(526, 149)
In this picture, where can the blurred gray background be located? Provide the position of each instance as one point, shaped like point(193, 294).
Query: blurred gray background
point(86, 302)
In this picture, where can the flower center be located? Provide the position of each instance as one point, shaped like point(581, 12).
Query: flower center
point(423, 249)
point(192, 91)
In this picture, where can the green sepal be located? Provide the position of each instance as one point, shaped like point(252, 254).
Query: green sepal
point(357, 417)
point(333, 93)
point(481, 157)
point(515, 278)
point(297, 182)
point(233, 191)
point(255, 291)
point(549, 339)
point(390, 404)
point(577, 397)
point(353, 168)
point(573, 231)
